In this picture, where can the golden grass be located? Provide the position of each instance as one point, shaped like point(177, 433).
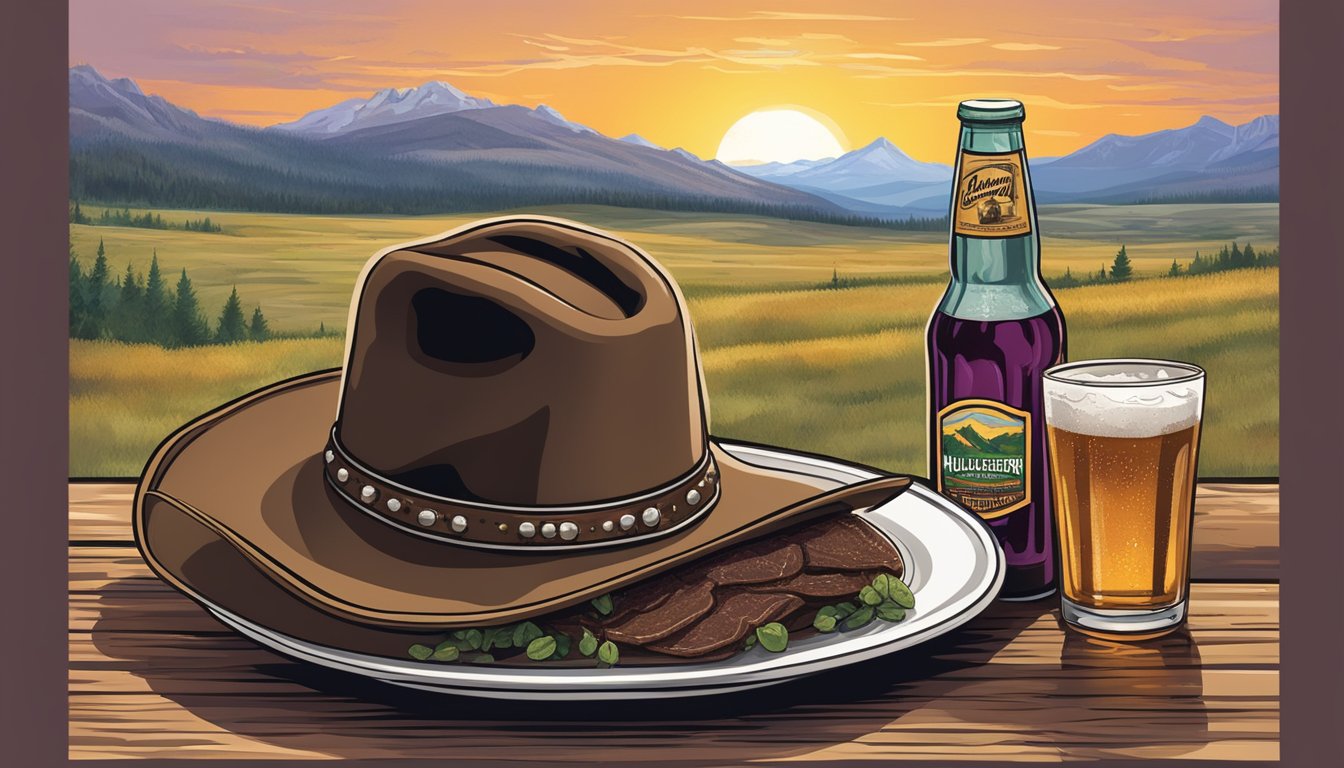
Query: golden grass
point(125, 398)
point(301, 269)
point(834, 371)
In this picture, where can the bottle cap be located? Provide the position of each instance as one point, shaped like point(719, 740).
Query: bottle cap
point(991, 110)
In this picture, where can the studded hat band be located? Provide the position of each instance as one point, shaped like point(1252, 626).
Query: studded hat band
point(498, 526)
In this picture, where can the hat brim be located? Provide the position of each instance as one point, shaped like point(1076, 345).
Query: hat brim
point(248, 476)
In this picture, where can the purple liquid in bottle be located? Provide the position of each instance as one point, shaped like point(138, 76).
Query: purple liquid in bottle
point(1002, 361)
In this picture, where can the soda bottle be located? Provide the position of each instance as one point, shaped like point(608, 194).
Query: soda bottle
point(993, 333)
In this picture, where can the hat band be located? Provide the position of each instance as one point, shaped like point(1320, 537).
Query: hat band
point(500, 526)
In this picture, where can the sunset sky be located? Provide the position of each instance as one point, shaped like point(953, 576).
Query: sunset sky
point(681, 73)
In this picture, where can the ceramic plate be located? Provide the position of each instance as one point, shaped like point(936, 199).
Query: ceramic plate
point(953, 566)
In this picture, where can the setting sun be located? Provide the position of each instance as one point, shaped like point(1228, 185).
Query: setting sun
point(781, 135)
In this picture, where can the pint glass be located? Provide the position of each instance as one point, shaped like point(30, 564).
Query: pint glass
point(1123, 439)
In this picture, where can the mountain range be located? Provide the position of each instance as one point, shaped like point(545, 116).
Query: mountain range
point(434, 148)
point(419, 150)
point(1207, 158)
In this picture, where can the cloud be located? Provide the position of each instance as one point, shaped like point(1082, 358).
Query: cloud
point(761, 40)
point(792, 16)
point(905, 104)
point(891, 56)
point(950, 42)
point(547, 46)
point(1025, 47)
point(1044, 132)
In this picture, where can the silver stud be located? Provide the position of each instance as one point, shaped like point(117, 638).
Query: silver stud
point(608, 526)
point(427, 517)
point(692, 497)
point(527, 530)
point(569, 531)
point(651, 516)
point(393, 505)
point(627, 522)
point(459, 523)
point(367, 493)
point(548, 531)
point(330, 457)
point(342, 475)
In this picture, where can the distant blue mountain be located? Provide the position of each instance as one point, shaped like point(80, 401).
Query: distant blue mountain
point(1206, 159)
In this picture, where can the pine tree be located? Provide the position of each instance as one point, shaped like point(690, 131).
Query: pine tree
point(1234, 260)
point(95, 297)
point(1248, 256)
point(321, 328)
point(188, 325)
point(257, 330)
point(1101, 276)
point(157, 306)
point(79, 313)
point(128, 318)
point(1175, 270)
point(231, 327)
point(1121, 269)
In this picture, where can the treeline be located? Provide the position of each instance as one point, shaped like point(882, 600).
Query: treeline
point(143, 309)
point(1234, 257)
point(1266, 193)
point(319, 181)
point(149, 220)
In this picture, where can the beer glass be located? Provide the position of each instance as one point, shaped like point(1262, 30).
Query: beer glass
point(1123, 439)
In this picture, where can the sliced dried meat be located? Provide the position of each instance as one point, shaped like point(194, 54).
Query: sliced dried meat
point(738, 614)
point(644, 596)
point(746, 568)
point(678, 612)
point(849, 544)
point(817, 585)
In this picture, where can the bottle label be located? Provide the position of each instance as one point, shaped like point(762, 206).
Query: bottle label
point(991, 196)
point(984, 456)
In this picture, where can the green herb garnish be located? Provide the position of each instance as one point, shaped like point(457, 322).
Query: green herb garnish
point(541, 648)
point(773, 636)
point(608, 654)
point(603, 604)
point(420, 652)
point(588, 643)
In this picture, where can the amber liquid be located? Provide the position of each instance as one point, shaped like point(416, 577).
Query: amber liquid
point(1123, 507)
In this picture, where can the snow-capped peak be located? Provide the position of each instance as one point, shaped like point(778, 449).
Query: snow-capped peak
point(551, 116)
point(635, 138)
point(390, 105)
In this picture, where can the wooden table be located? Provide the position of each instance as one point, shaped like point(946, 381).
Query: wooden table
point(151, 675)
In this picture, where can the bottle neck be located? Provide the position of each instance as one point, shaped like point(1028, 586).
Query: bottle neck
point(994, 277)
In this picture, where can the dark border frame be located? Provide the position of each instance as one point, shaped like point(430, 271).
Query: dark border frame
point(34, 376)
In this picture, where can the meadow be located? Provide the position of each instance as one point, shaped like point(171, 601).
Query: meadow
point(788, 360)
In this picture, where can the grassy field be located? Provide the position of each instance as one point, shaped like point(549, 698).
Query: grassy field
point(301, 269)
point(835, 371)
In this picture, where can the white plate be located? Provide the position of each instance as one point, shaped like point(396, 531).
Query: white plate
point(952, 564)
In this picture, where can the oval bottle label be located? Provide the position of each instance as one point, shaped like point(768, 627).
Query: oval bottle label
point(991, 196)
point(984, 456)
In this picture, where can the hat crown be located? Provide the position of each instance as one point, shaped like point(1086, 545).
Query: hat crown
point(522, 362)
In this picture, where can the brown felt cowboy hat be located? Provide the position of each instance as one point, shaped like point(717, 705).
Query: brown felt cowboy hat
point(520, 425)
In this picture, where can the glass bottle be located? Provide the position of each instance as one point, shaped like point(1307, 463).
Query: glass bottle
point(994, 332)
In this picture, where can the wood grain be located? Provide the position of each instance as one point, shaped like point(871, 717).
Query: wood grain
point(152, 675)
point(1236, 526)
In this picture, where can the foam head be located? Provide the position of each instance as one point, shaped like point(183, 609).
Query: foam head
point(1124, 398)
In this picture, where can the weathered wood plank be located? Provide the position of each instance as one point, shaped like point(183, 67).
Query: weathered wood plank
point(153, 675)
point(1236, 526)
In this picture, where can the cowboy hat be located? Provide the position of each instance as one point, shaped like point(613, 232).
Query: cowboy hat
point(520, 425)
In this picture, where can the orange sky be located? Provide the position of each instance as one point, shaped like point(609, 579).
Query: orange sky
point(680, 73)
